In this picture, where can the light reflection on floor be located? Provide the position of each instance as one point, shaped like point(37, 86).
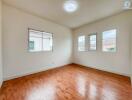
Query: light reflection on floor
point(81, 85)
point(46, 92)
point(93, 91)
point(107, 91)
point(68, 83)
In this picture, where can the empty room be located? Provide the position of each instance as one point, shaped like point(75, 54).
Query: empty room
point(65, 49)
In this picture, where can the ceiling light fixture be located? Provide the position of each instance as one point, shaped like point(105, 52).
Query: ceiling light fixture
point(70, 6)
point(127, 4)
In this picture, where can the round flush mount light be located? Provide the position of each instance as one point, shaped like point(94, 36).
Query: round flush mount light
point(70, 6)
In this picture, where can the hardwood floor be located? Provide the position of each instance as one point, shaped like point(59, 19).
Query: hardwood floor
point(71, 82)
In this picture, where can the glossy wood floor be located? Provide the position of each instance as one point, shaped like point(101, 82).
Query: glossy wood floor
point(71, 82)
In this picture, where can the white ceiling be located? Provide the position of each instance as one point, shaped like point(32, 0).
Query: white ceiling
point(89, 10)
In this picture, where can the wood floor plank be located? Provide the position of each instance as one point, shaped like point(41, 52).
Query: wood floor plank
point(71, 82)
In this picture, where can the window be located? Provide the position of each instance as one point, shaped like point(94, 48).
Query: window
point(92, 41)
point(109, 41)
point(40, 41)
point(81, 43)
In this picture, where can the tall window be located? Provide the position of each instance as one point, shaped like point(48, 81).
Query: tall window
point(109, 41)
point(81, 43)
point(40, 41)
point(92, 41)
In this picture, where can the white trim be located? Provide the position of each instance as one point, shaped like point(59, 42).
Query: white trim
point(111, 71)
point(33, 72)
point(41, 70)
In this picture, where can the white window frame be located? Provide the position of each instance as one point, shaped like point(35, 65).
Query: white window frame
point(115, 42)
point(84, 43)
point(89, 42)
point(43, 32)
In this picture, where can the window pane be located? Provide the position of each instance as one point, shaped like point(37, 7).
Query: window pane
point(81, 43)
point(47, 41)
point(92, 42)
point(35, 40)
point(35, 44)
point(109, 41)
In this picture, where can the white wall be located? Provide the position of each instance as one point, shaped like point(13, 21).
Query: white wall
point(118, 62)
point(1, 76)
point(17, 60)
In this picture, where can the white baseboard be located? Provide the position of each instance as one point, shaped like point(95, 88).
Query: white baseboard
point(111, 71)
point(32, 72)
